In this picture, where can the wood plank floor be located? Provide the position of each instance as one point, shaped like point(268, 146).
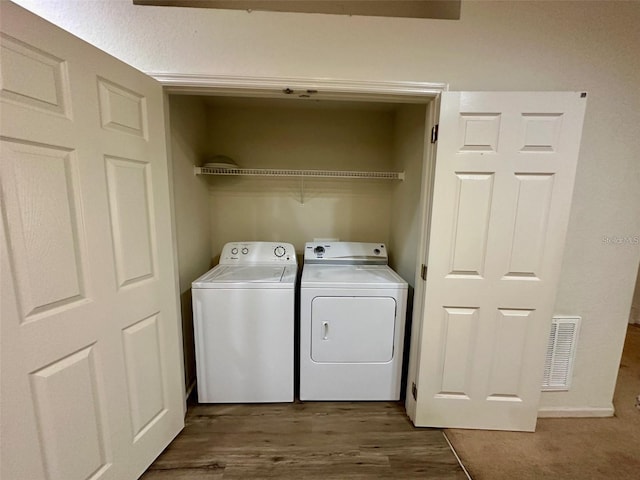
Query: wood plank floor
point(304, 441)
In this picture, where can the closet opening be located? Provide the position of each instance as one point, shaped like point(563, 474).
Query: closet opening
point(332, 132)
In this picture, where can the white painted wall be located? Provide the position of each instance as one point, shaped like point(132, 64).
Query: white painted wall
point(591, 46)
point(188, 118)
point(303, 136)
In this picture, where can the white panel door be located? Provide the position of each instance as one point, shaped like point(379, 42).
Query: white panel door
point(503, 184)
point(90, 354)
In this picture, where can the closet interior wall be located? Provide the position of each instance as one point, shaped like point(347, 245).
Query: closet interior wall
point(298, 134)
point(188, 134)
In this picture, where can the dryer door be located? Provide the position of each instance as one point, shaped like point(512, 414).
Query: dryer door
point(352, 329)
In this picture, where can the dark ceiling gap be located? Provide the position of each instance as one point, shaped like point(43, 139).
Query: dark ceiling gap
point(435, 9)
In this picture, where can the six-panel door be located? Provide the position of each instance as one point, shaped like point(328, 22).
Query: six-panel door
point(502, 193)
point(91, 360)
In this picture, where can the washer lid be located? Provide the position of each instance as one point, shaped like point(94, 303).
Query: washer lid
point(247, 276)
point(351, 276)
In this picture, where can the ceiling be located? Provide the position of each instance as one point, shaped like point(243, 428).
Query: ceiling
point(438, 9)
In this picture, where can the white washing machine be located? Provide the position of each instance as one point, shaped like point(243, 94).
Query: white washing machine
point(352, 316)
point(243, 314)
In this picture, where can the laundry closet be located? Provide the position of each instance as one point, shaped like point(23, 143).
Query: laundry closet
point(295, 134)
point(98, 175)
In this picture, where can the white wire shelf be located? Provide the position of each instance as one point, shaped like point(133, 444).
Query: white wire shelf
point(277, 172)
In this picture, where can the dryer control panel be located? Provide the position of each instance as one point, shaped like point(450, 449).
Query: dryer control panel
point(346, 253)
point(258, 253)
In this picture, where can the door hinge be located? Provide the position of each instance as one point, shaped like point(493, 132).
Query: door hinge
point(434, 134)
point(423, 272)
point(414, 391)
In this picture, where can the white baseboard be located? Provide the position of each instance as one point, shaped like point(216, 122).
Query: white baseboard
point(577, 412)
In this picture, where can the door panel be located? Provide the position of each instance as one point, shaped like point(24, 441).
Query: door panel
point(122, 110)
point(47, 253)
point(131, 228)
point(91, 363)
point(503, 184)
point(143, 360)
point(533, 201)
point(352, 329)
point(506, 373)
point(37, 81)
point(460, 326)
point(473, 205)
point(70, 417)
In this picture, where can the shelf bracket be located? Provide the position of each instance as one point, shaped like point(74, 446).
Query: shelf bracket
point(301, 191)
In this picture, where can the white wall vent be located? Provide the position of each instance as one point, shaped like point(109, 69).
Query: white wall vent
point(561, 351)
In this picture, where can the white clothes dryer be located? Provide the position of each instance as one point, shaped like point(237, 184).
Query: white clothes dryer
point(243, 313)
point(352, 316)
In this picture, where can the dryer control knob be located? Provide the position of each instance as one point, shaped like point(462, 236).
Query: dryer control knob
point(318, 250)
point(279, 251)
point(245, 250)
point(234, 251)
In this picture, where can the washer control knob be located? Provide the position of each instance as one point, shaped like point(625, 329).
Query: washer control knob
point(234, 251)
point(245, 250)
point(376, 251)
point(279, 251)
point(319, 250)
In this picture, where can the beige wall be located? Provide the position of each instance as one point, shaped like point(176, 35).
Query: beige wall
point(406, 221)
point(317, 136)
point(188, 118)
point(519, 45)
